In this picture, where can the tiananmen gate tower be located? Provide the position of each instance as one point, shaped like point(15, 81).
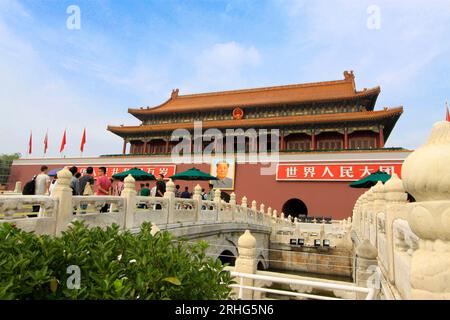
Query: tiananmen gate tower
point(329, 135)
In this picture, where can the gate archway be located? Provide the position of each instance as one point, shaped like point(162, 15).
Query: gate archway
point(227, 257)
point(295, 207)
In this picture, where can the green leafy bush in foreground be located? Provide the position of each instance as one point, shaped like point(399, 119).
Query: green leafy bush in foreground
point(113, 265)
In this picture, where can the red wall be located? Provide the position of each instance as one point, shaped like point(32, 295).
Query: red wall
point(334, 199)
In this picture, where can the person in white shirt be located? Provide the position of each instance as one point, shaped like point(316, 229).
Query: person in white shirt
point(42, 183)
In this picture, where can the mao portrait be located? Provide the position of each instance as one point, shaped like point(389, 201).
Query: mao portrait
point(224, 171)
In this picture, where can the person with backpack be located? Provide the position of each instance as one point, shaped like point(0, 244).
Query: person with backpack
point(29, 189)
point(204, 194)
point(88, 177)
point(74, 183)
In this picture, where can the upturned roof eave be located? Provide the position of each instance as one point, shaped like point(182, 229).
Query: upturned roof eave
point(366, 116)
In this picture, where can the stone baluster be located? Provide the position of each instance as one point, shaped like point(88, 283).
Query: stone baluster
point(129, 193)
point(63, 192)
point(368, 213)
point(246, 263)
point(275, 215)
point(170, 196)
point(254, 208)
point(262, 208)
point(18, 187)
point(197, 194)
point(217, 198)
point(244, 202)
point(396, 199)
point(269, 211)
point(233, 199)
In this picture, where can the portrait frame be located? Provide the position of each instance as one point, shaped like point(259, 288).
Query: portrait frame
point(231, 174)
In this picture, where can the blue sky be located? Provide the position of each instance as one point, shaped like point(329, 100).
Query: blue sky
point(133, 53)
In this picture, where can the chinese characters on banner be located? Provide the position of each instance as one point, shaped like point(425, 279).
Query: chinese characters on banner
point(348, 171)
point(166, 170)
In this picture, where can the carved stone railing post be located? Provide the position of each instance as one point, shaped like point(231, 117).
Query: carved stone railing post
point(426, 176)
point(246, 261)
point(233, 199)
point(197, 193)
point(63, 192)
point(262, 208)
point(368, 213)
point(217, 198)
point(254, 208)
point(377, 206)
point(170, 196)
point(129, 193)
point(244, 202)
point(18, 187)
point(197, 196)
point(244, 206)
point(395, 208)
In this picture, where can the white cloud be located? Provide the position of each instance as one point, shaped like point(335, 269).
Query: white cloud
point(224, 66)
point(35, 98)
point(404, 56)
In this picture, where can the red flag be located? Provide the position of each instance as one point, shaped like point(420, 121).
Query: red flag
point(63, 142)
point(83, 140)
point(46, 142)
point(30, 143)
point(447, 116)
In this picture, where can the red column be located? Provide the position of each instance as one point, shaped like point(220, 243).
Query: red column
point(124, 150)
point(313, 141)
point(345, 138)
point(151, 148)
point(381, 138)
point(282, 142)
point(167, 146)
point(145, 147)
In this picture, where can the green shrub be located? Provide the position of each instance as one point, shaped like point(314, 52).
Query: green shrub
point(114, 265)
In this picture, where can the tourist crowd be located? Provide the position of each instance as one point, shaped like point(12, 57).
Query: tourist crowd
point(85, 184)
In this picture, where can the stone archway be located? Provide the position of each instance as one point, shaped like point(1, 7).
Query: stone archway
point(295, 207)
point(227, 257)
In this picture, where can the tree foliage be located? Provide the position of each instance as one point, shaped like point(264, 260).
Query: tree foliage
point(5, 165)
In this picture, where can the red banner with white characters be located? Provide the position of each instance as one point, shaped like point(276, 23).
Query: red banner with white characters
point(336, 171)
point(166, 170)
